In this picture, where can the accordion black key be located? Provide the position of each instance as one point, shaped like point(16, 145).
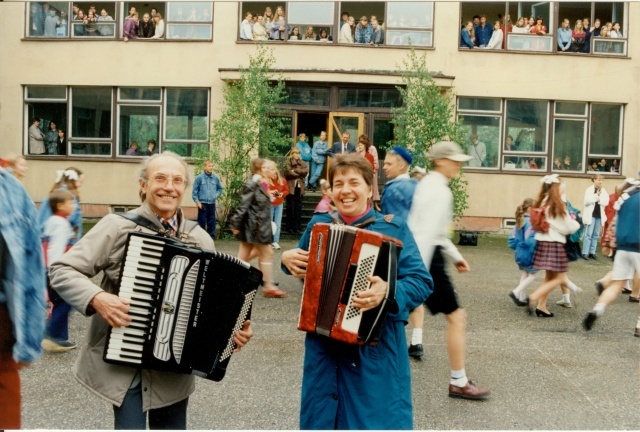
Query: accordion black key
point(186, 303)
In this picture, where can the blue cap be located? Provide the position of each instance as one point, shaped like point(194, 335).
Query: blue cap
point(403, 153)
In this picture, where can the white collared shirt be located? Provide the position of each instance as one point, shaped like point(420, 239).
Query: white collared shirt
point(431, 217)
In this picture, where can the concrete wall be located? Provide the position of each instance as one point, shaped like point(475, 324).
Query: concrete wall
point(195, 64)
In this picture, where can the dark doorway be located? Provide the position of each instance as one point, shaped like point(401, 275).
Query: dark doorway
point(311, 124)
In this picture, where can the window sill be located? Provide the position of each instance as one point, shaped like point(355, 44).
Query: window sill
point(505, 51)
point(109, 39)
point(333, 43)
point(571, 174)
point(122, 159)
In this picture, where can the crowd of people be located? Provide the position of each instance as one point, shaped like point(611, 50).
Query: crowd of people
point(272, 26)
point(417, 211)
point(571, 38)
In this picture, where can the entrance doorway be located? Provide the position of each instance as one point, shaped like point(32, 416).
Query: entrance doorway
point(311, 124)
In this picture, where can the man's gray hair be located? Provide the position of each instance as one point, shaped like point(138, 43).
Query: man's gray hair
point(143, 174)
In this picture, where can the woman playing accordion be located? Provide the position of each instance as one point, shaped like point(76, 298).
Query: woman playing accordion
point(361, 386)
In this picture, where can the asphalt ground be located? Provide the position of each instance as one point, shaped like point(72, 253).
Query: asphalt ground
point(545, 374)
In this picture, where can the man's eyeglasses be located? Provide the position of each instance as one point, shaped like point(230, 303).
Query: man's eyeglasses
point(163, 180)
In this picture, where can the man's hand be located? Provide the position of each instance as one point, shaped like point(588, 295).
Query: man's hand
point(242, 337)
point(372, 297)
point(112, 308)
point(296, 260)
point(199, 205)
point(462, 266)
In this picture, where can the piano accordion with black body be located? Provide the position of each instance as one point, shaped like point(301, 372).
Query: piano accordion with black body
point(186, 304)
point(340, 259)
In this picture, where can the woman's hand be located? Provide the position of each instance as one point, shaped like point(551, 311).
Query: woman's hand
point(372, 297)
point(296, 260)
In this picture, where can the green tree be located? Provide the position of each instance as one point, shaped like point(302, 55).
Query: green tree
point(426, 117)
point(249, 125)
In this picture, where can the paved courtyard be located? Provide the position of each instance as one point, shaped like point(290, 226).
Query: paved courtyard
point(544, 373)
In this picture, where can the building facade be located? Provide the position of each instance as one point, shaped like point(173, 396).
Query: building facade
point(530, 107)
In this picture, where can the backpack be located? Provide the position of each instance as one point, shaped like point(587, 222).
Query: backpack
point(538, 218)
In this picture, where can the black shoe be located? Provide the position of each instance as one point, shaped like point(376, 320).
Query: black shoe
point(588, 321)
point(584, 257)
point(274, 283)
point(633, 299)
point(626, 290)
point(416, 351)
point(599, 287)
point(593, 256)
point(543, 314)
point(516, 300)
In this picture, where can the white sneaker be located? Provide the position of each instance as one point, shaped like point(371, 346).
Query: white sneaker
point(275, 245)
point(564, 304)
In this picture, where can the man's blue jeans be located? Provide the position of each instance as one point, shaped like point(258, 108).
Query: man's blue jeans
point(130, 415)
point(316, 171)
point(207, 218)
point(590, 239)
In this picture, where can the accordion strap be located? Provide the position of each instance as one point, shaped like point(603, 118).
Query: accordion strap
point(146, 223)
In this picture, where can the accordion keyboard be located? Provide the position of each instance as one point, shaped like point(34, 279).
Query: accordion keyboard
point(139, 287)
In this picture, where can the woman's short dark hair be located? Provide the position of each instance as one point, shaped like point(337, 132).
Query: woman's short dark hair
point(364, 139)
point(348, 162)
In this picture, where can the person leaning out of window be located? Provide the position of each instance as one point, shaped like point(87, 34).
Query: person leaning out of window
point(364, 32)
point(466, 35)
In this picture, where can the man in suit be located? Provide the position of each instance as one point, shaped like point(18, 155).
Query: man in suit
point(344, 146)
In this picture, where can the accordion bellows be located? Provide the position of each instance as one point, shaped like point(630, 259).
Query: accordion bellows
point(340, 259)
point(186, 304)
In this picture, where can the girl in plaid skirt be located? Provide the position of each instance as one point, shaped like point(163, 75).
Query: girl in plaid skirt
point(549, 254)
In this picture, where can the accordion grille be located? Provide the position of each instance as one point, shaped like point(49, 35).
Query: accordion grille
point(184, 311)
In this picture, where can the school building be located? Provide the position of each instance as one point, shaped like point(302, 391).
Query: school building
point(536, 110)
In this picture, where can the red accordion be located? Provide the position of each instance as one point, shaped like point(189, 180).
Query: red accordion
point(340, 259)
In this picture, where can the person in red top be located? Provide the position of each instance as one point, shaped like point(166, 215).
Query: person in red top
point(278, 189)
point(363, 150)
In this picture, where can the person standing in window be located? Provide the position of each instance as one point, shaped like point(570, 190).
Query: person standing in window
point(364, 32)
point(268, 17)
point(246, 33)
point(79, 27)
point(279, 25)
point(151, 148)
point(206, 190)
point(539, 27)
point(295, 34)
point(578, 37)
point(130, 28)
point(615, 32)
point(51, 139)
point(324, 36)
point(465, 36)
point(146, 29)
point(36, 138)
point(345, 31)
point(159, 27)
point(61, 142)
point(378, 32)
point(62, 25)
point(105, 29)
point(564, 36)
point(259, 30)
point(478, 152)
point(483, 32)
point(588, 30)
point(50, 23)
point(133, 149)
point(309, 34)
point(36, 27)
point(521, 26)
point(496, 37)
point(90, 23)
